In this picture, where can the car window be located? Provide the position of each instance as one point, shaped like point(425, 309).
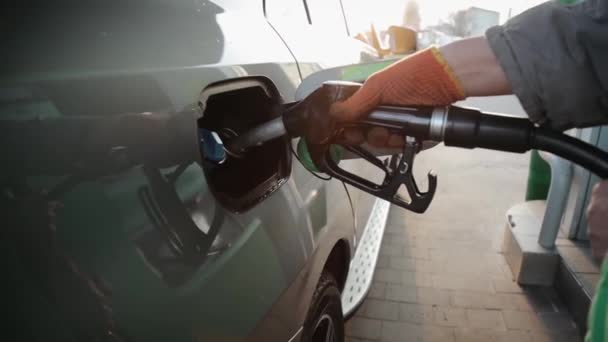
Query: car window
point(326, 15)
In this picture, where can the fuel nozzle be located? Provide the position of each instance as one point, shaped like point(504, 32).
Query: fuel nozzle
point(321, 149)
point(257, 136)
point(455, 126)
point(308, 118)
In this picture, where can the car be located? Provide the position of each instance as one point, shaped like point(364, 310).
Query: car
point(118, 229)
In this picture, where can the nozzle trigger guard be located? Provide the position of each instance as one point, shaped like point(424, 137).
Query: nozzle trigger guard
point(397, 170)
point(402, 166)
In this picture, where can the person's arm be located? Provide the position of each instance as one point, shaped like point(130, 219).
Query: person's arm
point(432, 77)
point(553, 57)
point(476, 67)
point(556, 59)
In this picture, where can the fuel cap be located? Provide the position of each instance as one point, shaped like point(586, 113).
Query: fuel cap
point(212, 147)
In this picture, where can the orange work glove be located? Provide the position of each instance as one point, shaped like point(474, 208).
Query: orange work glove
point(423, 78)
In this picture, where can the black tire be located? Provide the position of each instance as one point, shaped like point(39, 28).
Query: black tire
point(325, 322)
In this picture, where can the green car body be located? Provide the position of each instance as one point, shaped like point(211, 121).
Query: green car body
point(88, 254)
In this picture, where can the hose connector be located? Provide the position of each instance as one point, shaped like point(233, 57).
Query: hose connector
point(439, 118)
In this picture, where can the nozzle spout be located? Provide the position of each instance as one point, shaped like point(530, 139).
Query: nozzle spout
point(256, 136)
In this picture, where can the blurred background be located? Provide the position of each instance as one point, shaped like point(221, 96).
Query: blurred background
point(399, 27)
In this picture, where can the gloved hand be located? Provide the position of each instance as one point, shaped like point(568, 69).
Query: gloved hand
point(423, 78)
point(597, 216)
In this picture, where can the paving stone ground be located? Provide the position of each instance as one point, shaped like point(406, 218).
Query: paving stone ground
point(441, 276)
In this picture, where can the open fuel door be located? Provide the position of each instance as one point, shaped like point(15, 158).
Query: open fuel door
point(229, 108)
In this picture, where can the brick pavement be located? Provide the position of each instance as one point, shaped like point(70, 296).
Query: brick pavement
point(441, 277)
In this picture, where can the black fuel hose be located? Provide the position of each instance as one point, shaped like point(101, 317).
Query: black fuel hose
point(455, 126)
point(470, 128)
point(575, 150)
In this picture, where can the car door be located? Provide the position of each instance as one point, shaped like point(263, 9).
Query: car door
point(314, 48)
point(95, 246)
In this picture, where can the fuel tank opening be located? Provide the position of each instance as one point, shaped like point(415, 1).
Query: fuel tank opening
point(240, 181)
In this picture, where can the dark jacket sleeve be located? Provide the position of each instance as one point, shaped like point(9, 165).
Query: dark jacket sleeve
point(556, 59)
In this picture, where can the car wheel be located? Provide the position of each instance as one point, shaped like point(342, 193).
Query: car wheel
point(325, 322)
